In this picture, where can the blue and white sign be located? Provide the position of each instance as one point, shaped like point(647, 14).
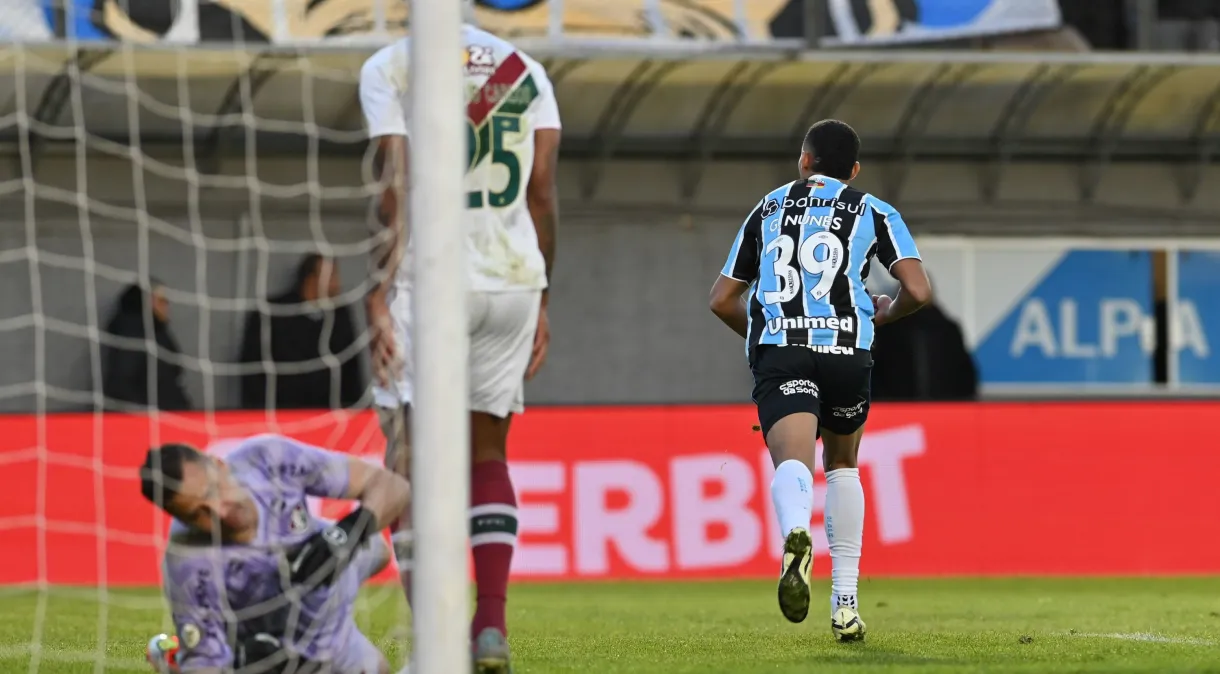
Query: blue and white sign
point(1064, 317)
point(1198, 317)
point(880, 21)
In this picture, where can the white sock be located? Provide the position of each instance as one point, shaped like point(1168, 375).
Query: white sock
point(844, 533)
point(792, 494)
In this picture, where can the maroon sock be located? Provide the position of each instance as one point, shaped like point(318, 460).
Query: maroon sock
point(493, 533)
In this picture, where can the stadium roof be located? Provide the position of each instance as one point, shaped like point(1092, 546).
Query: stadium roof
point(687, 102)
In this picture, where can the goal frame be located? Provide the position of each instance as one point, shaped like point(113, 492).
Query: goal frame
point(440, 415)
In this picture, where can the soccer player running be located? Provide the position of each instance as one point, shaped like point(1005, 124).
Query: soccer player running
point(803, 254)
point(510, 220)
point(250, 575)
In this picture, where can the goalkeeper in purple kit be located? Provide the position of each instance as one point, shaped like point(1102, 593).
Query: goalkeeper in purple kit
point(254, 581)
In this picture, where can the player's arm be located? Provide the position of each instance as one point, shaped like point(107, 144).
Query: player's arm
point(729, 304)
point(727, 299)
point(390, 170)
point(192, 587)
point(381, 102)
point(897, 251)
point(390, 167)
point(542, 195)
point(542, 200)
point(382, 494)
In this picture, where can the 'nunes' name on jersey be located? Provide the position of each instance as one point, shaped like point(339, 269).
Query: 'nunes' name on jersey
point(805, 250)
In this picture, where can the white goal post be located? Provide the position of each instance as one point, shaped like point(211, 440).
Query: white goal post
point(440, 413)
point(205, 173)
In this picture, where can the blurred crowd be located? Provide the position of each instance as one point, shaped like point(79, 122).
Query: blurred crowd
point(299, 349)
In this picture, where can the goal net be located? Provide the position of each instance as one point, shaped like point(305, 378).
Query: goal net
point(160, 208)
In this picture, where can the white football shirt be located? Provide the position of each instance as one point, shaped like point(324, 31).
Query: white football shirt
point(509, 98)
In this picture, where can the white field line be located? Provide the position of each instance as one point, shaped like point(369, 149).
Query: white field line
point(1146, 637)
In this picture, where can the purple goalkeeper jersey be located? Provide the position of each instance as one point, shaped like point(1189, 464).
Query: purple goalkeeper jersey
point(219, 594)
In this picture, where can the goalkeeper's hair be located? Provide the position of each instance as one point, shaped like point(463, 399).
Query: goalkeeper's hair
point(161, 474)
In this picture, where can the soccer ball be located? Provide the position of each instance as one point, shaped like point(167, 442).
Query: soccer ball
point(162, 654)
point(845, 624)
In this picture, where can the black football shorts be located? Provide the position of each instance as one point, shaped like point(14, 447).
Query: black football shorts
point(830, 383)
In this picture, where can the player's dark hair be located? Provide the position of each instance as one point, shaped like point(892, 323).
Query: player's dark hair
point(161, 474)
point(307, 267)
point(133, 298)
point(835, 147)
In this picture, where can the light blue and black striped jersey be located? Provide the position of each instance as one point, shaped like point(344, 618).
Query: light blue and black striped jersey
point(805, 250)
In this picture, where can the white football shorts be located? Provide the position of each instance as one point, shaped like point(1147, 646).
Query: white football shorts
point(502, 328)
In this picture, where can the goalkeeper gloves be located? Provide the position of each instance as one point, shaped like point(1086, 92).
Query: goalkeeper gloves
point(264, 653)
point(325, 555)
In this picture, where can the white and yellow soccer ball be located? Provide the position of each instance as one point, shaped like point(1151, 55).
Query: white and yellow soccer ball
point(845, 623)
point(162, 654)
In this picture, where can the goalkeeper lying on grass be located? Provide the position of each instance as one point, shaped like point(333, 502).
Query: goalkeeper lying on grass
point(253, 580)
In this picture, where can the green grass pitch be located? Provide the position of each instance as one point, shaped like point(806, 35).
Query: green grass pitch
point(923, 626)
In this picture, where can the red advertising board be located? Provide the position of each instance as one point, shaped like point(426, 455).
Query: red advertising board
point(682, 492)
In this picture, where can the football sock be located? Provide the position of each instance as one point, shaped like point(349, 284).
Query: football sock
point(844, 533)
point(493, 534)
point(792, 494)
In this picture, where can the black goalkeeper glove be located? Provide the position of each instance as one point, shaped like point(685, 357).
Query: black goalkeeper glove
point(264, 653)
point(324, 556)
point(260, 654)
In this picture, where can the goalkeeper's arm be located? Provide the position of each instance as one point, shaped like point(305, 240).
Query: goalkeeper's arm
point(382, 494)
point(194, 594)
point(383, 497)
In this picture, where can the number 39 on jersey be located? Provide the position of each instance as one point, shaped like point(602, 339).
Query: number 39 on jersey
point(805, 251)
point(820, 256)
